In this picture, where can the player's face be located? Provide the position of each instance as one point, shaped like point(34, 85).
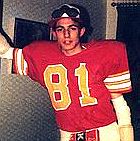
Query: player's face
point(68, 36)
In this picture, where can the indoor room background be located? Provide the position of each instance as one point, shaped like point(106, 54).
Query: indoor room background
point(110, 19)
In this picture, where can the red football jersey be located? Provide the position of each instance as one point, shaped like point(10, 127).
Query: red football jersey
point(79, 85)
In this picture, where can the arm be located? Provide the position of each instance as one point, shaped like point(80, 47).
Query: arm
point(124, 117)
point(117, 82)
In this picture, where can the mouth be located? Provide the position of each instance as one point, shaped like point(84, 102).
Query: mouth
point(67, 42)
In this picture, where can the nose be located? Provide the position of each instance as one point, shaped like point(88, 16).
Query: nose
point(66, 33)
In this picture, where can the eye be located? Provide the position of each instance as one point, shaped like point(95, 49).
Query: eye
point(73, 28)
point(59, 29)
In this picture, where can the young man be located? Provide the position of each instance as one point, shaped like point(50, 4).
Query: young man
point(84, 80)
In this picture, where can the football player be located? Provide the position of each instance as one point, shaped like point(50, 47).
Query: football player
point(86, 81)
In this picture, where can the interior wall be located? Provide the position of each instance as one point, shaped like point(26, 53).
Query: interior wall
point(26, 112)
point(111, 21)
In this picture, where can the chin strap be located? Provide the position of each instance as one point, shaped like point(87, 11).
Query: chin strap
point(124, 118)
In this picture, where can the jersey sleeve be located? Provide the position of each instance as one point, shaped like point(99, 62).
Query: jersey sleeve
point(20, 65)
point(119, 81)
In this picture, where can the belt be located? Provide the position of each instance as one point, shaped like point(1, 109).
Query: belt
point(90, 135)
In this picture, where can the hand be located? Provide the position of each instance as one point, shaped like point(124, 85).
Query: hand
point(4, 45)
point(126, 133)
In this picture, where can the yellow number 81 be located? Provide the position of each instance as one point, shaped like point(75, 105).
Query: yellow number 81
point(62, 86)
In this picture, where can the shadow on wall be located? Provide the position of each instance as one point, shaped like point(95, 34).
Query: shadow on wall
point(26, 113)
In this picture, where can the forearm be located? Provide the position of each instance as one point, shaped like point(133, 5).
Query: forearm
point(124, 118)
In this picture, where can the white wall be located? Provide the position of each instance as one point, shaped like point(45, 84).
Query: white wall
point(111, 22)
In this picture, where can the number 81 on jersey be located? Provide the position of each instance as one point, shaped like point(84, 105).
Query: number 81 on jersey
point(62, 86)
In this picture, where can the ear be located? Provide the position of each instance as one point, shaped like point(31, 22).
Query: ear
point(54, 35)
point(82, 31)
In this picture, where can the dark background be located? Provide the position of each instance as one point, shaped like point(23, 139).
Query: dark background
point(128, 31)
